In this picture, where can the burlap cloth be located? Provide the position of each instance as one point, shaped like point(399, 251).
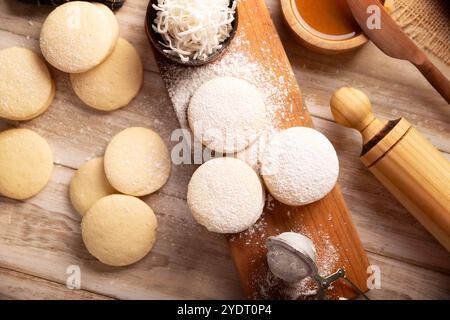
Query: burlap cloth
point(427, 22)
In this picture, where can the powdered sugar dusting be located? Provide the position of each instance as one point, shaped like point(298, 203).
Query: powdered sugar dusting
point(238, 62)
point(268, 285)
point(227, 114)
point(300, 166)
point(271, 287)
point(327, 262)
point(225, 196)
point(183, 82)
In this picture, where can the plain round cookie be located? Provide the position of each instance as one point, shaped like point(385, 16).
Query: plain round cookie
point(119, 230)
point(76, 37)
point(88, 185)
point(227, 114)
point(114, 83)
point(26, 163)
point(137, 161)
point(26, 86)
point(299, 166)
point(225, 195)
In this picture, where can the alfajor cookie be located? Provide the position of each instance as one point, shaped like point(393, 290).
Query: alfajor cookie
point(114, 83)
point(26, 163)
point(119, 230)
point(77, 36)
point(137, 161)
point(88, 185)
point(26, 86)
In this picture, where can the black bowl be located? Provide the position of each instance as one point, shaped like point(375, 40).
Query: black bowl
point(155, 39)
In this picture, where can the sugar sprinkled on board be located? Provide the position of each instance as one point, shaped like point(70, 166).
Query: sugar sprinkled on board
point(270, 202)
point(182, 83)
point(327, 263)
point(268, 285)
point(327, 260)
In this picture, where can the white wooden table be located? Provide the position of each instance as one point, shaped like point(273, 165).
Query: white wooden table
point(40, 238)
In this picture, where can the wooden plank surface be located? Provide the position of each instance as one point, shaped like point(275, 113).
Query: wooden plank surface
point(41, 237)
point(17, 285)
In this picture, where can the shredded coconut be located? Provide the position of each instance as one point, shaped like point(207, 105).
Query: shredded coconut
point(193, 29)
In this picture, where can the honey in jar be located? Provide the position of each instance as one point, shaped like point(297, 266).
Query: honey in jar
point(328, 19)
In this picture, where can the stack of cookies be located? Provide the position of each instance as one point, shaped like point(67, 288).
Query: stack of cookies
point(82, 39)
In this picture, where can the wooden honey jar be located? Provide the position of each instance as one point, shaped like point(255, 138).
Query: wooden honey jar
point(412, 169)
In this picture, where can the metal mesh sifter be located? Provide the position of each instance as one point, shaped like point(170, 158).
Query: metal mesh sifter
point(292, 257)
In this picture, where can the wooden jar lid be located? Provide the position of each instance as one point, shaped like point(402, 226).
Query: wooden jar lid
point(313, 41)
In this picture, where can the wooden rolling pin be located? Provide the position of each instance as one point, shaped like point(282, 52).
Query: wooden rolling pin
point(412, 169)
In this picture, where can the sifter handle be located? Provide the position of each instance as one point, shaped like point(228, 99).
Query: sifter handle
point(325, 282)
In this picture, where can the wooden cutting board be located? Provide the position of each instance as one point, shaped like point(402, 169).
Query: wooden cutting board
point(327, 222)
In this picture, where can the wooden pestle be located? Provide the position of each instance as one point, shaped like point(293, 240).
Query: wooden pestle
point(391, 39)
point(412, 169)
